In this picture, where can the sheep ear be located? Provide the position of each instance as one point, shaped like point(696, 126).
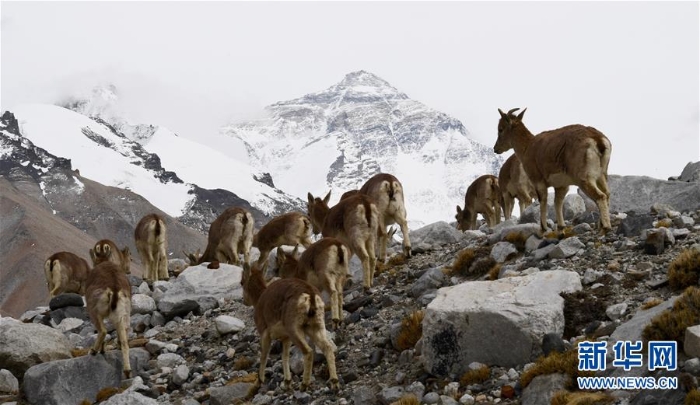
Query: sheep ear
point(520, 116)
point(310, 198)
point(503, 115)
point(327, 198)
point(459, 209)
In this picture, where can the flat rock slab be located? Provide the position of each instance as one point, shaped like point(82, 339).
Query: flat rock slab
point(498, 322)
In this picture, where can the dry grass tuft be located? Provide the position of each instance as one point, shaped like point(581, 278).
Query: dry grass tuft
point(565, 363)
point(242, 363)
point(467, 262)
point(138, 342)
point(411, 331)
point(684, 270)
point(477, 376)
point(483, 266)
point(495, 270)
point(671, 325)
point(692, 397)
point(397, 260)
point(581, 398)
point(664, 223)
point(248, 378)
point(652, 303)
point(464, 259)
point(407, 399)
point(580, 309)
point(551, 235)
point(518, 239)
point(380, 267)
point(106, 393)
point(79, 352)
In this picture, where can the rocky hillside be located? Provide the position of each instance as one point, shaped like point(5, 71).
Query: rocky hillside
point(48, 207)
point(493, 301)
point(337, 138)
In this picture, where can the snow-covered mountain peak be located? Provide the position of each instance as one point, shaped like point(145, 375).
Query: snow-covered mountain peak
point(356, 87)
point(339, 137)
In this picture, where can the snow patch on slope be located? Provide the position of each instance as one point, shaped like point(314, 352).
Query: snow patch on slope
point(67, 133)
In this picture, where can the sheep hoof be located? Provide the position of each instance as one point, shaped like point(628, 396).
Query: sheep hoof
point(334, 384)
point(127, 373)
point(303, 387)
point(287, 384)
point(93, 352)
point(335, 324)
point(407, 251)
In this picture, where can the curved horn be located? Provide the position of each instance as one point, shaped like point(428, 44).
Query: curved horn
point(512, 111)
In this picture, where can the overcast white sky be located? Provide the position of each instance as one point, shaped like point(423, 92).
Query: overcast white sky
point(630, 69)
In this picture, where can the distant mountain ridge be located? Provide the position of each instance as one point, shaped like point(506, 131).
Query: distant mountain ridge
point(184, 178)
point(337, 138)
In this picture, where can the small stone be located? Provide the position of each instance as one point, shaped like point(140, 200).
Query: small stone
point(431, 398)
point(692, 366)
point(157, 319)
point(8, 382)
point(590, 276)
point(180, 375)
point(580, 229)
point(144, 289)
point(391, 394)
point(451, 389)
point(416, 388)
point(154, 346)
point(615, 312)
point(169, 360)
point(567, 248)
point(552, 342)
point(691, 346)
point(513, 374)
point(447, 400)
point(70, 324)
point(654, 242)
point(142, 304)
point(466, 399)
point(376, 357)
point(502, 251)
point(227, 324)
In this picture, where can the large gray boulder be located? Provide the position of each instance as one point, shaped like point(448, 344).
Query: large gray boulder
point(498, 322)
point(22, 345)
point(691, 172)
point(438, 233)
point(197, 282)
point(639, 193)
point(73, 380)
